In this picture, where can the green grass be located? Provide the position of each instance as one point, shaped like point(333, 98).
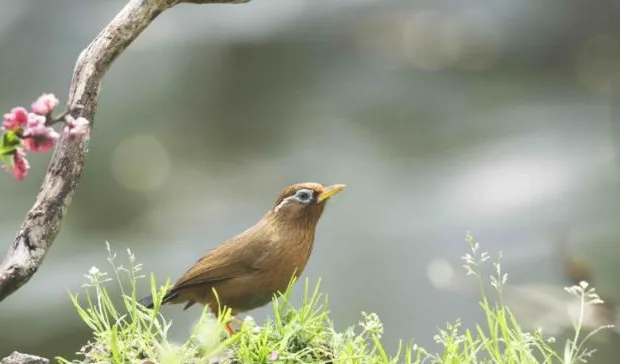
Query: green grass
point(125, 332)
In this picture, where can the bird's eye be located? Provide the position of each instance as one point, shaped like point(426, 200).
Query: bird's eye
point(304, 195)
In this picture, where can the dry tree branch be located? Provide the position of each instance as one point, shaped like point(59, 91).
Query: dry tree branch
point(43, 221)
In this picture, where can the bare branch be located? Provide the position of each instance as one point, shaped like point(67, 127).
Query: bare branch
point(43, 221)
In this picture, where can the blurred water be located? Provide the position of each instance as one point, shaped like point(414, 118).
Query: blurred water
point(440, 120)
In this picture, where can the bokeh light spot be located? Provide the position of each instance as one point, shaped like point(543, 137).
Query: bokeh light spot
point(141, 163)
point(440, 273)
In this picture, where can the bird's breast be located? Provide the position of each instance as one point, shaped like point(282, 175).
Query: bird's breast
point(290, 258)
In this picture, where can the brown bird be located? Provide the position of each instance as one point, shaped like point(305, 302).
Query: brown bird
point(248, 269)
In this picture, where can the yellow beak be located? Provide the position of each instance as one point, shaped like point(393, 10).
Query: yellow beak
point(330, 192)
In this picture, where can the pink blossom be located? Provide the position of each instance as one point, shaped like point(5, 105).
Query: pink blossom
point(17, 118)
point(40, 140)
point(273, 356)
point(38, 137)
point(45, 104)
point(35, 121)
point(76, 127)
point(19, 166)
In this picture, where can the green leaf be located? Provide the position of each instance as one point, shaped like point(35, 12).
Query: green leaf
point(9, 142)
point(11, 138)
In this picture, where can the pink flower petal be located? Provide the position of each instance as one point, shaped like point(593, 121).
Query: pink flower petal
point(39, 138)
point(20, 165)
point(39, 144)
point(77, 127)
point(17, 118)
point(45, 104)
point(35, 121)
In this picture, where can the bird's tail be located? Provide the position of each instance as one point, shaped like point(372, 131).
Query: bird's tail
point(148, 300)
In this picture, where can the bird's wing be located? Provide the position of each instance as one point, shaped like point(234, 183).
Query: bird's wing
point(226, 261)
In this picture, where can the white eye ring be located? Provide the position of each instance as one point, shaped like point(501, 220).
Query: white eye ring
point(304, 195)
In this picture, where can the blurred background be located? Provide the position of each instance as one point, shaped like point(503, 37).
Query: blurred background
point(496, 117)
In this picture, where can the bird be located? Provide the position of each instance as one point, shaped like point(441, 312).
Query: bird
point(247, 270)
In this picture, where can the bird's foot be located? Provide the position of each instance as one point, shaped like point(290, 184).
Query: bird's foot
point(229, 329)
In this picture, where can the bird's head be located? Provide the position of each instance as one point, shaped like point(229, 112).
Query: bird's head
point(303, 202)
